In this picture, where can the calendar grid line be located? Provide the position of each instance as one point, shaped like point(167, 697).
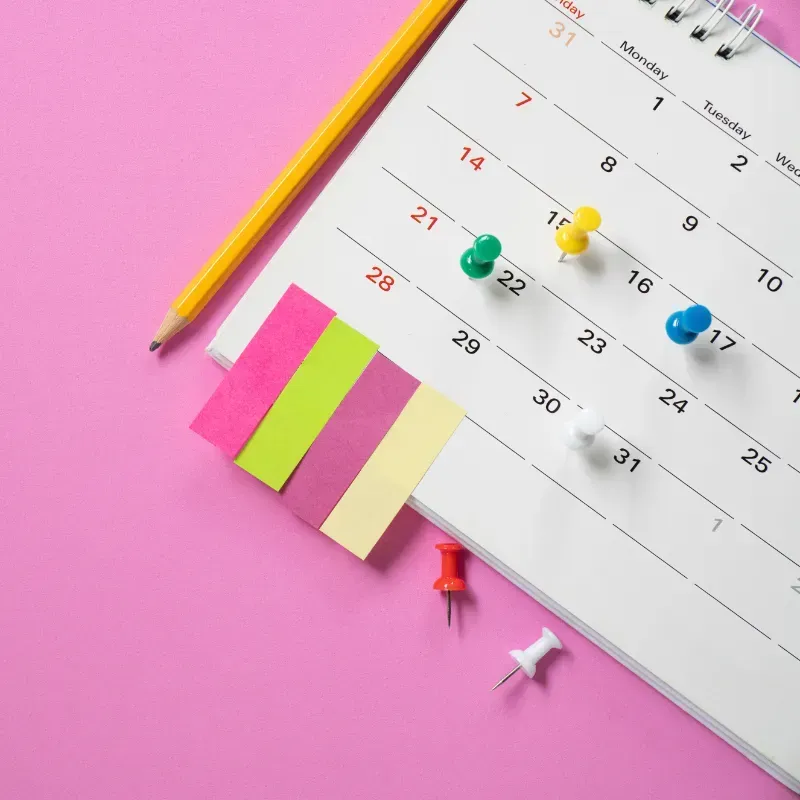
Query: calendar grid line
point(414, 191)
point(525, 366)
point(471, 327)
point(752, 438)
point(672, 380)
point(579, 312)
point(780, 172)
point(677, 194)
point(714, 125)
point(528, 180)
point(511, 72)
point(794, 468)
point(663, 561)
point(474, 141)
point(640, 263)
point(797, 658)
point(733, 612)
point(780, 552)
point(378, 258)
point(594, 133)
point(497, 439)
point(700, 494)
point(757, 252)
point(775, 360)
point(633, 66)
point(567, 490)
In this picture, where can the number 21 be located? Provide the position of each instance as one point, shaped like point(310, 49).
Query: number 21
point(560, 28)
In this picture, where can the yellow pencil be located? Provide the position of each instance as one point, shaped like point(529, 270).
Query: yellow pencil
point(414, 32)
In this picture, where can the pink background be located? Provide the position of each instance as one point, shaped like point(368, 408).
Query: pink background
point(167, 629)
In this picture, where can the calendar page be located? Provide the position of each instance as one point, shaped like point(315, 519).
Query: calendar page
point(673, 541)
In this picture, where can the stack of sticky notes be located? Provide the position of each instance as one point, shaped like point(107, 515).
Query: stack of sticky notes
point(313, 410)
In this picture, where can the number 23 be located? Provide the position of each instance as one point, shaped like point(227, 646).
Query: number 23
point(560, 28)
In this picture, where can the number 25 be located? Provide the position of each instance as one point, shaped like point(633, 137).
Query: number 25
point(560, 28)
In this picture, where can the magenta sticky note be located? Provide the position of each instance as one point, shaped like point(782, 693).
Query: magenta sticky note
point(261, 372)
point(356, 428)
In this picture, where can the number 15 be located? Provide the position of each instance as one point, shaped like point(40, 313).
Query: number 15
point(560, 28)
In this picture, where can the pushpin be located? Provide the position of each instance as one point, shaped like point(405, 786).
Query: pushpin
point(478, 261)
point(684, 326)
point(449, 580)
point(528, 659)
point(581, 431)
point(573, 238)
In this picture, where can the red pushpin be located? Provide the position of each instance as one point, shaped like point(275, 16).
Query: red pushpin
point(449, 581)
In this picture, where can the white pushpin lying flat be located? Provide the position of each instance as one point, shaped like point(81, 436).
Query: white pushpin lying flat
point(528, 659)
point(581, 431)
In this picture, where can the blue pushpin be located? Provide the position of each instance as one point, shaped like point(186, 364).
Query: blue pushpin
point(684, 326)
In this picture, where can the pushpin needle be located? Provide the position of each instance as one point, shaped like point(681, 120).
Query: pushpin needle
point(510, 674)
point(449, 581)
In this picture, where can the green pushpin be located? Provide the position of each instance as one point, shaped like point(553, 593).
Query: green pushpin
point(478, 261)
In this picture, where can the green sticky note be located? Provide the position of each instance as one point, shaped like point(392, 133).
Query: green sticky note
point(306, 404)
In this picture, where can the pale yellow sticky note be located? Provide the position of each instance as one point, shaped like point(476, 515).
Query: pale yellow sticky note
point(393, 471)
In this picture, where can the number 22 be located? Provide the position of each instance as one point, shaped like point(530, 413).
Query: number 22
point(560, 28)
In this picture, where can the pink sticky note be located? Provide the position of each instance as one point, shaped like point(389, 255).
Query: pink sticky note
point(261, 372)
point(356, 428)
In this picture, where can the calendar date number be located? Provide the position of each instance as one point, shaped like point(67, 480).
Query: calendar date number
point(476, 162)
point(670, 398)
point(468, 344)
point(624, 456)
point(758, 462)
point(591, 340)
point(511, 282)
point(383, 281)
point(549, 403)
point(421, 218)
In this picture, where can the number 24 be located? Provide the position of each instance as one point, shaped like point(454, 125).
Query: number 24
point(560, 28)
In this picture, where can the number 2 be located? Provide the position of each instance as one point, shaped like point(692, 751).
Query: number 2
point(739, 163)
point(560, 28)
point(421, 214)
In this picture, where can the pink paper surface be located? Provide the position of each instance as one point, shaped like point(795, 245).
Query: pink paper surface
point(170, 631)
point(261, 372)
point(354, 431)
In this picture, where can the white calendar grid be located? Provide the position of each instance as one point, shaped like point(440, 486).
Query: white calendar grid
point(673, 540)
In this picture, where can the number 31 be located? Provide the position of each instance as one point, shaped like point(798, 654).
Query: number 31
point(560, 28)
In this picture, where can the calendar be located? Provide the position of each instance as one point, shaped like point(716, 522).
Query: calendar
point(673, 541)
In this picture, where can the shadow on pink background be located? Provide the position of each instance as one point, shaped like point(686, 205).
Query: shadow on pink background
point(168, 629)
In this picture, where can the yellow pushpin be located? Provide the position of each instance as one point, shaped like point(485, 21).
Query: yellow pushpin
point(573, 239)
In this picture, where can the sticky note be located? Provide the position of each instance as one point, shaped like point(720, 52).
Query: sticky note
point(262, 371)
point(307, 402)
point(393, 471)
point(348, 440)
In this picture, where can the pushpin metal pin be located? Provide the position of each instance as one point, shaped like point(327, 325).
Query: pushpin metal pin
point(581, 431)
point(449, 580)
point(683, 327)
point(478, 261)
point(573, 238)
point(528, 659)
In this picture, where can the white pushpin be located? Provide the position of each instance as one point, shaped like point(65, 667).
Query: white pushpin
point(528, 659)
point(581, 431)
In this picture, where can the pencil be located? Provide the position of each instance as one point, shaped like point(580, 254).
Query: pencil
point(244, 237)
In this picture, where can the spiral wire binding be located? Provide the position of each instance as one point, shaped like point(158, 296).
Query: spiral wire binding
point(748, 21)
point(677, 12)
point(717, 15)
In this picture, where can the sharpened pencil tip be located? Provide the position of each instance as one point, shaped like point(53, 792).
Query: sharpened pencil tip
point(154, 346)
